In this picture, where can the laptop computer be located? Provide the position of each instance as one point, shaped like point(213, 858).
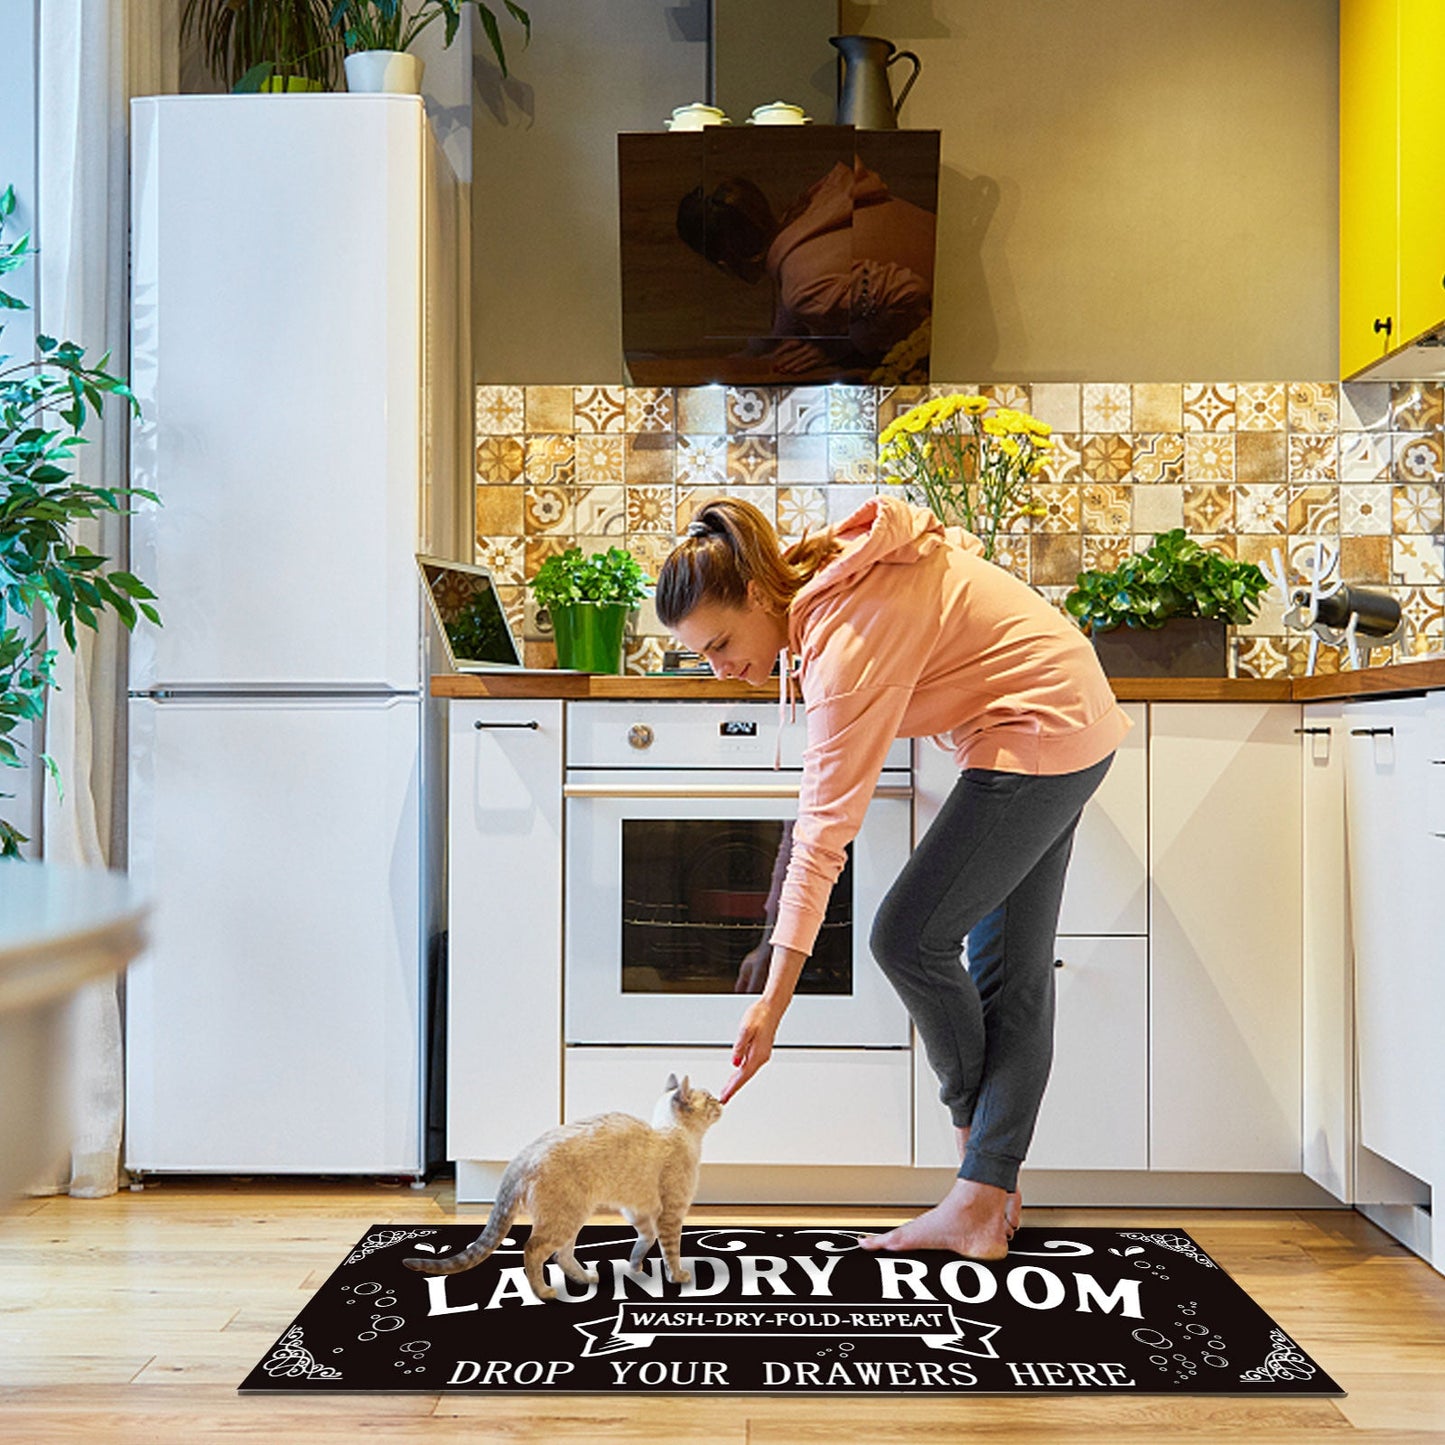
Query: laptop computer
point(470, 617)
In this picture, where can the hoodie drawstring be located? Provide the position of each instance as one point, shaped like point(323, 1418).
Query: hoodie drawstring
point(787, 705)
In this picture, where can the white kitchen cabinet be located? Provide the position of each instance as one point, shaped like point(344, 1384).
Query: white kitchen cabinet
point(1396, 941)
point(1107, 888)
point(504, 1038)
point(1328, 1106)
point(1095, 1111)
point(1225, 937)
point(808, 1106)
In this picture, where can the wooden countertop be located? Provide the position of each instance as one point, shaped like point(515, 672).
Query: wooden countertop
point(1400, 677)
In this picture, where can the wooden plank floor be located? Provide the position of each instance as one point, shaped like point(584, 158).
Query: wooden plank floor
point(134, 1318)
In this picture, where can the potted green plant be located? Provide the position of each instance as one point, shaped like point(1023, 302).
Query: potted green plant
point(1166, 611)
point(44, 404)
point(588, 596)
point(253, 45)
point(379, 34)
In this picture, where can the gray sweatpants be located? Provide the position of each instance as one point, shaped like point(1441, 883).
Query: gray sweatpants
point(989, 871)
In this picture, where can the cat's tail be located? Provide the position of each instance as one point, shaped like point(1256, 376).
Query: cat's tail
point(504, 1211)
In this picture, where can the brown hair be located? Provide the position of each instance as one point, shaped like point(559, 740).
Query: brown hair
point(730, 543)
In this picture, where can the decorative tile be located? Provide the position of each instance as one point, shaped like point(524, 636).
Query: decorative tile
point(548, 509)
point(1366, 509)
point(893, 401)
point(1363, 559)
point(1158, 458)
point(551, 461)
point(500, 460)
point(651, 509)
point(1365, 406)
point(1259, 456)
point(1103, 554)
point(1417, 561)
point(1314, 511)
point(1261, 657)
point(1417, 406)
point(844, 500)
point(1208, 456)
point(1418, 457)
point(1314, 406)
point(601, 460)
point(802, 409)
point(1055, 560)
point(1364, 456)
point(513, 597)
point(539, 654)
point(765, 499)
point(1314, 457)
point(1262, 509)
point(1106, 458)
point(505, 556)
point(1060, 501)
point(752, 461)
point(1208, 508)
point(700, 409)
point(751, 409)
point(1107, 407)
point(1105, 508)
point(1222, 544)
point(802, 510)
point(549, 408)
point(1424, 609)
point(601, 512)
point(649, 458)
point(500, 409)
point(599, 408)
point(649, 409)
point(690, 501)
point(1261, 406)
point(1158, 509)
point(1209, 406)
point(541, 545)
point(1158, 406)
point(1005, 393)
point(702, 461)
point(852, 409)
point(642, 655)
point(651, 549)
point(852, 458)
point(1416, 507)
point(802, 459)
point(499, 511)
point(1065, 462)
point(1011, 552)
point(1058, 404)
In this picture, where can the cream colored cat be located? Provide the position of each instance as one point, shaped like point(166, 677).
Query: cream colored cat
point(647, 1172)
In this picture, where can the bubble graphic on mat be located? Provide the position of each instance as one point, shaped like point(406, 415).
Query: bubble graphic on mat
point(1217, 1362)
point(387, 1322)
point(384, 1304)
point(846, 1347)
point(1153, 1339)
point(1159, 1360)
point(1197, 1329)
point(1216, 1344)
point(368, 1288)
point(367, 1335)
point(415, 1347)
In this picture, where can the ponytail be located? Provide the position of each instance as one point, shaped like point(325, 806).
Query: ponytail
point(729, 543)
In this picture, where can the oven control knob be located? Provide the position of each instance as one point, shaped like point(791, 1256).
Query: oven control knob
point(639, 736)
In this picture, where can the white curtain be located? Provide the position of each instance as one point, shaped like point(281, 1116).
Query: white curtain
point(93, 55)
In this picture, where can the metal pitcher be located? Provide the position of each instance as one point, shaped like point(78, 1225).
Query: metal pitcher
point(866, 99)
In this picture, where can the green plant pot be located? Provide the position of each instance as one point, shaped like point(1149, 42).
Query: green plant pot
point(589, 635)
point(1183, 647)
point(291, 85)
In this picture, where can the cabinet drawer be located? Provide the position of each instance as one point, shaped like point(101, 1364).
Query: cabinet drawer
point(1095, 1113)
point(807, 1106)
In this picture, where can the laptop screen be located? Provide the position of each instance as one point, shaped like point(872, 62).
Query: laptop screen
point(470, 613)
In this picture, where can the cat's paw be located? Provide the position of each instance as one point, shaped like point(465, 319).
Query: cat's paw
point(546, 1292)
point(682, 1276)
point(591, 1276)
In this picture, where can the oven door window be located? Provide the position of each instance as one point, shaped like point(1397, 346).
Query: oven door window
point(699, 901)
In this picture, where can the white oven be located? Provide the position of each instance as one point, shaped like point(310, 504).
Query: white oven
point(675, 819)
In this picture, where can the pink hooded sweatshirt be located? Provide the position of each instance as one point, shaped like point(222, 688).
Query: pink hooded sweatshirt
point(910, 632)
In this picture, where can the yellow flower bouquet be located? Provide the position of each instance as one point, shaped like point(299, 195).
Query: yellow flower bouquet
point(969, 461)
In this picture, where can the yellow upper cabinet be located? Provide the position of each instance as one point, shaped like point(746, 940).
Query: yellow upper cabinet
point(1392, 175)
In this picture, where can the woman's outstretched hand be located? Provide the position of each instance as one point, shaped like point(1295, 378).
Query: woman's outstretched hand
point(754, 1046)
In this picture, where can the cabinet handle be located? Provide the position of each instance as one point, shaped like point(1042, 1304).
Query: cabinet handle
point(1058, 963)
point(1313, 732)
point(1387, 325)
point(532, 725)
point(1372, 732)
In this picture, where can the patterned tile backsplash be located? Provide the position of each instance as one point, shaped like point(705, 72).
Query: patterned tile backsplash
point(1243, 467)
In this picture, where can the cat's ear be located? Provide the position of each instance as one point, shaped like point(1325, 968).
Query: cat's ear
point(672, 1083)
point(684, 1088)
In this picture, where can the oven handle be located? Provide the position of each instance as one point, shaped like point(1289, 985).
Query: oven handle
point(708, 790)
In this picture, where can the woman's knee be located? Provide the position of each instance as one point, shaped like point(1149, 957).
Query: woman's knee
point(894, 940)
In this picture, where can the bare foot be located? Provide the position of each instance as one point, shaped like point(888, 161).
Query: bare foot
point(1013, 1212)
point(969, 1220)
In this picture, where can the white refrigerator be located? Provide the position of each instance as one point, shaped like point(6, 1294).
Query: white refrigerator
point(298, 313)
